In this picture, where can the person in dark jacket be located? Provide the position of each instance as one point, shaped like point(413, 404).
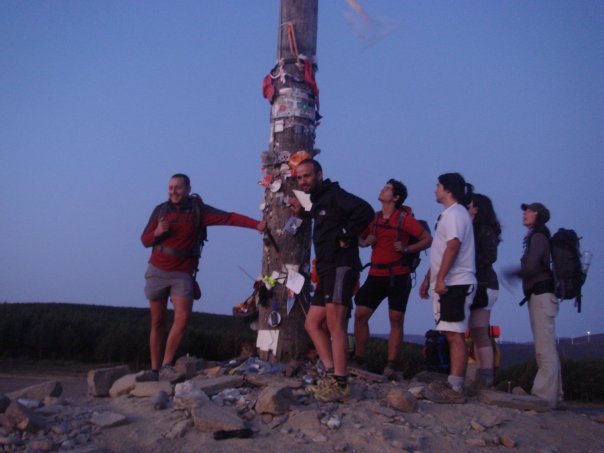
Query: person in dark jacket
point(339, 218)
point(538, 287)
point(487, 231)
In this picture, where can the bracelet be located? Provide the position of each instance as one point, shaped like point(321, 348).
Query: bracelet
point(406, 249)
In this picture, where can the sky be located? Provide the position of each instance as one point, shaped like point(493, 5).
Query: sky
point(101, 102)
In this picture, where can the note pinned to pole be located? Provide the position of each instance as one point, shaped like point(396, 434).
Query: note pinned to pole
point(295, 281)
point(304, 199)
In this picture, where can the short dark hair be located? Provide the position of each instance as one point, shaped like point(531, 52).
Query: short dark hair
point(316, 165)
point(457, 186)
point(398, 188)
point(184, 177)
point(485, 213)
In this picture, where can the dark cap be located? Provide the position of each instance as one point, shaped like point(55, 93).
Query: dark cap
point(539, 208)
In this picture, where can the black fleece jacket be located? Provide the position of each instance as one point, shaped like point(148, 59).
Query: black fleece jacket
point(338, 215)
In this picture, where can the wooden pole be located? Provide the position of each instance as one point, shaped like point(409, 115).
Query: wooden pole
point(293, 120)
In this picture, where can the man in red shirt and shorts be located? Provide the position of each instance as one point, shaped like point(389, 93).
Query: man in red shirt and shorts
point(175, 232)
point(389, 275)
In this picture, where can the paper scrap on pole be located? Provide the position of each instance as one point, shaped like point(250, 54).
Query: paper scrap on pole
point(295, 281)
point(304, 199)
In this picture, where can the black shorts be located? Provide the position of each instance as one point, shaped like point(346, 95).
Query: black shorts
point(336, 287)
point(375, 289)
point(452, 303)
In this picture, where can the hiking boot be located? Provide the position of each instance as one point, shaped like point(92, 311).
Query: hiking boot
point(147, 376)
point(323, 382)
point(168, 373)
point(332, 392)
point(443, 393)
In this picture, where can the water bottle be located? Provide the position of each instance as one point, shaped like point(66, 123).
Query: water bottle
point(586, 260)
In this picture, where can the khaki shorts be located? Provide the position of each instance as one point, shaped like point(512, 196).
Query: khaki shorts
point(161, 284)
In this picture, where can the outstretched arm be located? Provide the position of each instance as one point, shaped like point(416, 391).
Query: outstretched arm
point(212, 216)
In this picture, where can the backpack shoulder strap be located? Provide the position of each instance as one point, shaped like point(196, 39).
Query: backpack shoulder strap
point(201, 229)
point(399, 224)
point(375, 223)
point(163, 210)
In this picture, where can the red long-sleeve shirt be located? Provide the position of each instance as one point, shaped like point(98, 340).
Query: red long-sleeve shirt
point(182, 235)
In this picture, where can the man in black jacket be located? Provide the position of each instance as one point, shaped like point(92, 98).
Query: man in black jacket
point(339, 218)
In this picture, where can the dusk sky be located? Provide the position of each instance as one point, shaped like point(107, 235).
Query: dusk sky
point(101, 102)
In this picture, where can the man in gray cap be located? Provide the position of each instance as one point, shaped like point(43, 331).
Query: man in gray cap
point(538, 287)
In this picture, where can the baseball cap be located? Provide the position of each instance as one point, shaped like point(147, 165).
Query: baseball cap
point(539, 208)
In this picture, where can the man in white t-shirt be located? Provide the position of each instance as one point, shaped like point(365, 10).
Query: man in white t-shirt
point(452, 280)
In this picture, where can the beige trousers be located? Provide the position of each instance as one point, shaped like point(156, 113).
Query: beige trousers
point(543, 309)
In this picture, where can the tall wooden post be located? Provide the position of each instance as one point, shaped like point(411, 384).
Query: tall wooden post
point(294, 117)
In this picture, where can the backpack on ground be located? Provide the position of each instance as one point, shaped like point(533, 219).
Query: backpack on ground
point(436, 352)
point(566, 266)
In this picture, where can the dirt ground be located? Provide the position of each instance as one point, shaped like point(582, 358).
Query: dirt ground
point(434, 428)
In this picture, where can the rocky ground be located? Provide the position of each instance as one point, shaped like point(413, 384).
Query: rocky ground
point(257, 408)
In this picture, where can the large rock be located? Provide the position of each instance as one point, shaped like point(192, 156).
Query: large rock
point(274, 400)
point(149, 389)
point(101, 380)
point(38, 391)
point(189, 365)
point(123, 385)
point(307, 422)
point(215, 385)
point(108, 419)
point(402, 400)
point(521, 402)
point(187, 396)
point(211, 418)
point(18, 416)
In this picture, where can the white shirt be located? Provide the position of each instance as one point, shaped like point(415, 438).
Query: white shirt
point(454, 222)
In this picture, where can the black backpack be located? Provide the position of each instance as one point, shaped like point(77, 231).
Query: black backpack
point(566, 266)
point(436, 352)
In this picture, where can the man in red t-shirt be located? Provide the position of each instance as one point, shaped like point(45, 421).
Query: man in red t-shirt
point(175, 231)
point(389, 275)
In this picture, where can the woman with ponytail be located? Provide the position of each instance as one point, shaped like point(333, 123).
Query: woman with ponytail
point(487, 232)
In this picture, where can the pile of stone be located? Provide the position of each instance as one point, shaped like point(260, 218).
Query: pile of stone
point(37, 418)
point(242, 400)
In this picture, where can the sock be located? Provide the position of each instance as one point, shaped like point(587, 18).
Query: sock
point(342, 381)
point(390, 363)
point(487, 376)
point(359, 360)
point(456, 382)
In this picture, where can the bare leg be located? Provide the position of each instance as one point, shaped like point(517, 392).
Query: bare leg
point(479, 329)
point(314, 325)
point(336, 323)
point(395, 340)
point(459, 353)
point(183, 306)
point(361, 329)
point(158, 310)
